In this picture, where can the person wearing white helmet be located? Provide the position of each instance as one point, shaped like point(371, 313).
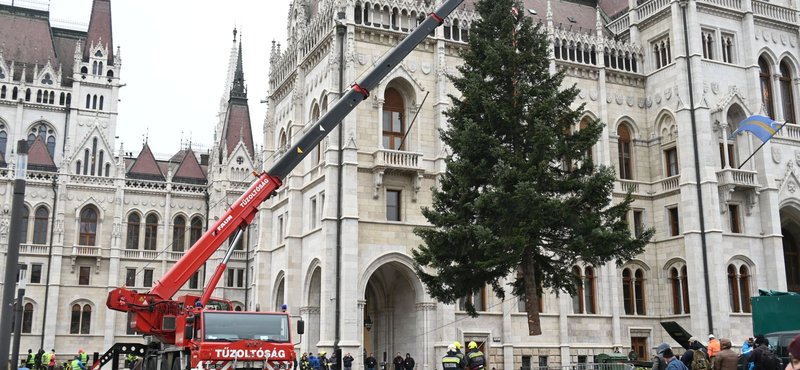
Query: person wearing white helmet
point(451, 361)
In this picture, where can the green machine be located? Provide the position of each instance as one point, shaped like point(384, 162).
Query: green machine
point(775, 311)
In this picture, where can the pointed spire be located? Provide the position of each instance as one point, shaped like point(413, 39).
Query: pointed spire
point(598, 22)
point(99, 32)
point(238, 89)
point(549, 15)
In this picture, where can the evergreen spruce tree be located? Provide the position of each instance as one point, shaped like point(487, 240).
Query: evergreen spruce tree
point(521, 192)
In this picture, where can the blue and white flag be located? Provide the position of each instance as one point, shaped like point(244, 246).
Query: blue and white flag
point(762, 127)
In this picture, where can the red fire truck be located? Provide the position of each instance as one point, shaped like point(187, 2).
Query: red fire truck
point(198, 332)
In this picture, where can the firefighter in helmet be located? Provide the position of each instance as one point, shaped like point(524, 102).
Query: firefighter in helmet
point(475, 358)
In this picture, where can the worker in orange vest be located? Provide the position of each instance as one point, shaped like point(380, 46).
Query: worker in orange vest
point(713, 346)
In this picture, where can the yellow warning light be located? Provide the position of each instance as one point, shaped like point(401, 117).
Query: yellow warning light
point(300, 150)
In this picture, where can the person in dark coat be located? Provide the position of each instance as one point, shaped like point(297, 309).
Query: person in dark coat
point(688, 356)
point(399, 363)
point(347, 361)
point(757, 355)
point(409, 363)
point(658, 361)
point(371, 362)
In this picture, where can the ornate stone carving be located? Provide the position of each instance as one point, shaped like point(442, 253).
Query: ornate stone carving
point(776, 154)
point(593, 95)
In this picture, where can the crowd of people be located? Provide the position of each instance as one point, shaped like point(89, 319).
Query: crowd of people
point(42, 360)
point(757, 354)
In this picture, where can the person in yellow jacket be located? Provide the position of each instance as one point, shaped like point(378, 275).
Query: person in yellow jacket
point(77, 364)
point(31, 359)
point(83, 357)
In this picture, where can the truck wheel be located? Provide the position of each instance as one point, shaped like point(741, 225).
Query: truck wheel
point(176, 363)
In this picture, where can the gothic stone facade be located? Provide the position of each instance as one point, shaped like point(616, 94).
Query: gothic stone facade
point(630, 62)
point(98, 217)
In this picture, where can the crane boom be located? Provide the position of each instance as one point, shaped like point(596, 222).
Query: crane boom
point(152, 307)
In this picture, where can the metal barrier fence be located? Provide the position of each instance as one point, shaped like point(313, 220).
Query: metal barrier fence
point(590, 366)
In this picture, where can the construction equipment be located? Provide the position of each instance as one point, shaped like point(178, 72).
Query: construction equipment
point(203, 333)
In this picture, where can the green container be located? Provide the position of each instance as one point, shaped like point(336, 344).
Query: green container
point(774, 313)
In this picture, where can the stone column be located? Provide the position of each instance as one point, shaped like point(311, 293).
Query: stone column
point(724, 127)
point(564, 301)
point(380, 123)
point(309, 314)
point(778, 98)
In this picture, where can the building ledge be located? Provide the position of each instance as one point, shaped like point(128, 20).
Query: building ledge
point(400, 162)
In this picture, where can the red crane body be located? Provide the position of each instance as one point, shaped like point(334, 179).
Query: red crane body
point(200, 332)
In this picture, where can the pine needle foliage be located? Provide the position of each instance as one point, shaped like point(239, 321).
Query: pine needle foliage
point(521, 192)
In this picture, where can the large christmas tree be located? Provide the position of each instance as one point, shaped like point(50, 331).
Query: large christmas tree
point(521, 192)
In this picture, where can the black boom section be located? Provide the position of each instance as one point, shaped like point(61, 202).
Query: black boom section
point(359, 92)
point(112, 355)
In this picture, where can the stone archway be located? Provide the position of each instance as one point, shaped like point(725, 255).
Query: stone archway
point(393, 296)
point(311, 310)
point(790, 228)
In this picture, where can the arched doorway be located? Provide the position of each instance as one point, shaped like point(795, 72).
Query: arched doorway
point(790, 228)
point(391, 298)
point(312, 310)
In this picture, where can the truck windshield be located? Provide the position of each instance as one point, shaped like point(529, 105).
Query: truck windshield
point(231, 327)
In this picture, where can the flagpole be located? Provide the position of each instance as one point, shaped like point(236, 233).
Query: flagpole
point(759, 148)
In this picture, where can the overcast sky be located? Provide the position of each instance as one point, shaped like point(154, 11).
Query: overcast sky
point(174, 61)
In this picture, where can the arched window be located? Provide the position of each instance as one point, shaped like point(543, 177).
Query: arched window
point(638, 291)
point(88, 231)
point(14, 93)
point(2, 91)
point(94, 155)
point(81, 319)
point(61, 99)
point(178, 232)
point(88, 101)
point(627, 291)
point(765, 77)
point(28, 95)
point(3, 142)
point(315, 118)
point(456, 31)
point(40, 226)
point(94, 102)
point(101, 102)
point(108, 169)
point(94, 68)
point(84, 70)
point(733, 288)
point(744, 288)
point(791, 260)
point(357, 13)
point(787, 93)
point(100, 68)
point(150, 232)
point(51, 146)
point(557, 48)
point(69, 99)
point(624, 149)
point(100, 164)
point(52, 96)
point(283, 142)
point(110, 74)
point(680, 291)
point(78, 167)
point(23, 234)
point(583, 301)
point(393, 120)
point(27, 318)
point(196, 231)
point(132, 239)
point(86, 161)
point(39, 96)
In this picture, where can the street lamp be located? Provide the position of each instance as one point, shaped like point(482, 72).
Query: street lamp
point(23, 268)
point(12, 259)
point(368, 323)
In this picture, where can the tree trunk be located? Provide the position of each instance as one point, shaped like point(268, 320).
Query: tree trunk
point(531, 294)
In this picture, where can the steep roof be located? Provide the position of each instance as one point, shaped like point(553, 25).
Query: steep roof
point(189, 169)
point(100, 29)
point(583, 14)
point(145, 166)
point(65, 42)
point(39, 157)
point(237, 118)
point(27, 40)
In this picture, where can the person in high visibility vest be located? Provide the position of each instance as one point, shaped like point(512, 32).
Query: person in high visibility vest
point(131, 360)
point(31, 359)
point(45, 360)
point(77, 364)
point(83, 357)
point(451, 361)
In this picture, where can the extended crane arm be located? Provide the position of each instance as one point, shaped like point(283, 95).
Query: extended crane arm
point(243, 211)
